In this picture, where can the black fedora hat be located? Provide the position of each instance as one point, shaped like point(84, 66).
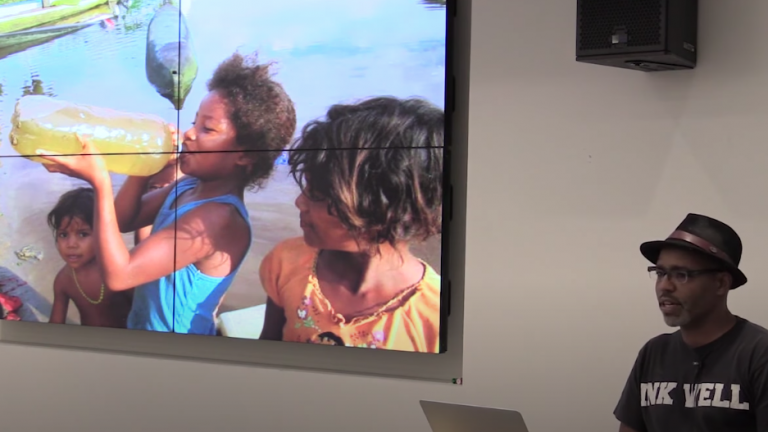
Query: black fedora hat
point(704, 235)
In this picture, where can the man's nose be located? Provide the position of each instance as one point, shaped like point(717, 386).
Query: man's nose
point(664, 284)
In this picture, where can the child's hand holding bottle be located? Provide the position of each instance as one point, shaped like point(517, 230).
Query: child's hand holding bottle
point(89, 165)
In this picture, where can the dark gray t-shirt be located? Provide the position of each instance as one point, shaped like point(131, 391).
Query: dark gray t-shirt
point(719, 387)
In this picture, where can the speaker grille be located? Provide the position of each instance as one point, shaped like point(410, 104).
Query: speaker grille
point(599, 20)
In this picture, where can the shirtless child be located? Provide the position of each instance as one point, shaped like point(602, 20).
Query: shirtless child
point(80, 279)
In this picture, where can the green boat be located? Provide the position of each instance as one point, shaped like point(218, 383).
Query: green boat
point(34, 36)
point(11, 43)
point(41, 16)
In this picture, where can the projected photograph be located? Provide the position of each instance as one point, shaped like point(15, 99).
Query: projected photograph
point(231, 168)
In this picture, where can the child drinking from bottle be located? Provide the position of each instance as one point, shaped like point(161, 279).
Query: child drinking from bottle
point(371, 184)
point(80, 279)
point(200, 227)
point(166, 176)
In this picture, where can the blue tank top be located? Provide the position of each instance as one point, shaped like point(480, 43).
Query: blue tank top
point(188, 308)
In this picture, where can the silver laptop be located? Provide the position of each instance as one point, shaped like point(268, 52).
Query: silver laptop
point(447, 417)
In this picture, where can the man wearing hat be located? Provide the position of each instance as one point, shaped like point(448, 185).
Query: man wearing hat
point(711, 375)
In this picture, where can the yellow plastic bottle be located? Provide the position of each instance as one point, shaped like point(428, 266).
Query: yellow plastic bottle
point(133, 144)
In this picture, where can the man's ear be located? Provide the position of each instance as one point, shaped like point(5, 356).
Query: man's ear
point(725, 282)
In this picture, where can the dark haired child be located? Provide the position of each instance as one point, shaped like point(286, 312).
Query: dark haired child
point(166, 176)
point(80, 279)
point(200, 226)
point(371, 180)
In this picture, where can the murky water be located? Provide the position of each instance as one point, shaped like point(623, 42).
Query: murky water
point(325, 51)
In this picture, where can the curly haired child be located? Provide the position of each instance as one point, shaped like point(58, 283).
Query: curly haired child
point(201, 230)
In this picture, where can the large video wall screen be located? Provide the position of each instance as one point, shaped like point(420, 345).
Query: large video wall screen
point(234, 168)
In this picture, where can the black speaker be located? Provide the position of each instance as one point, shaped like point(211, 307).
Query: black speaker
point(644, 35)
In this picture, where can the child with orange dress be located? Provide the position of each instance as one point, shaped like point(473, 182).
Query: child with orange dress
point(371, 185)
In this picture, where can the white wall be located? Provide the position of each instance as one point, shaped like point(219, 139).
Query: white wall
point(570, 167)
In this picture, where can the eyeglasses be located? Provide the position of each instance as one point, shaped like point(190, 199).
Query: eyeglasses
point(678, 276)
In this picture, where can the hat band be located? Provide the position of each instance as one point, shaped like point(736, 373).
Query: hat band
point(703, 244)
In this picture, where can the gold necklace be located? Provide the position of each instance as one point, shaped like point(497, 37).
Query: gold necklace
point(95, 302)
